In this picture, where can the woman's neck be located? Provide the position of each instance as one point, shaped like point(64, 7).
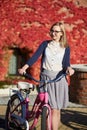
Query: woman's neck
point(57, 41)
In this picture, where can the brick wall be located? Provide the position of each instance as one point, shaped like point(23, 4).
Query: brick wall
point(78, 88)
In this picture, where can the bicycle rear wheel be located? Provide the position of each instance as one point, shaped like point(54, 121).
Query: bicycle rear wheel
point(45, 119)
point(15, 114)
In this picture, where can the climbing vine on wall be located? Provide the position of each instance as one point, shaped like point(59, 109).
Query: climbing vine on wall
point(25, 23)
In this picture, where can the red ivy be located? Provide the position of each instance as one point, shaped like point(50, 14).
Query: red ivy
point(27, 23)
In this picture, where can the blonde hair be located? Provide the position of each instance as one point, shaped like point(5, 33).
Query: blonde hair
point(63, 39)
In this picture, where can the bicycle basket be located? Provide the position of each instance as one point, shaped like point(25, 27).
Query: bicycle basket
point(24, 85)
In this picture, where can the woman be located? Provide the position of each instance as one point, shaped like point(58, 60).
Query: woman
point(55, 61)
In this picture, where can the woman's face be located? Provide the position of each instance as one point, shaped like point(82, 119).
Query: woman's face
point(56, 33)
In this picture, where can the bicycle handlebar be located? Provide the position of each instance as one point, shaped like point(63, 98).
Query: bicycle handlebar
point(44, 81)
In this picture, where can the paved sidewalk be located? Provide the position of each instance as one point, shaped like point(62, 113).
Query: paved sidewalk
point(72, 118)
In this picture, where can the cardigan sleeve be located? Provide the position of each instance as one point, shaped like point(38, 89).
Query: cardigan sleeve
point(37, 54)
point(66, 59)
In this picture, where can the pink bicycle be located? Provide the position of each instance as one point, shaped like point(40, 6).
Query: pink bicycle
point(18, 113)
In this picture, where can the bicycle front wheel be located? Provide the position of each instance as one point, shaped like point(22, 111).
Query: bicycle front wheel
point(45, 119)
point(14, 113)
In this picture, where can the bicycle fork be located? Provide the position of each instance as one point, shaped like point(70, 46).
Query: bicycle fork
point(44, 97)
point(49, 112)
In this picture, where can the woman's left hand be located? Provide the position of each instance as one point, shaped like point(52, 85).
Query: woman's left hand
point(70, 71)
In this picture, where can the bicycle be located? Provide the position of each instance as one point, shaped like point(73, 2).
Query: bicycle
point(18, 114)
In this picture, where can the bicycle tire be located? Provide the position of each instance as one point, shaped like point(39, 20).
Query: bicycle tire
point(15, 99)
point(44, 117)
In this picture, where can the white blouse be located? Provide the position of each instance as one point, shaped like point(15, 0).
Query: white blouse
point(53, 57)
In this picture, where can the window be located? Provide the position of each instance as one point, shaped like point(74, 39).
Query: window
point(13, 65)
point(16, 61)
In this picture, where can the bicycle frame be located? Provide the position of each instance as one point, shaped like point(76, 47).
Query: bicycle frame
point(40, 102)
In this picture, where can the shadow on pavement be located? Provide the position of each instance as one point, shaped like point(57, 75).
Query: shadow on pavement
point(74, 119)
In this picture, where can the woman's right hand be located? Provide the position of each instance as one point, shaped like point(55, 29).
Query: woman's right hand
point(23, 69)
